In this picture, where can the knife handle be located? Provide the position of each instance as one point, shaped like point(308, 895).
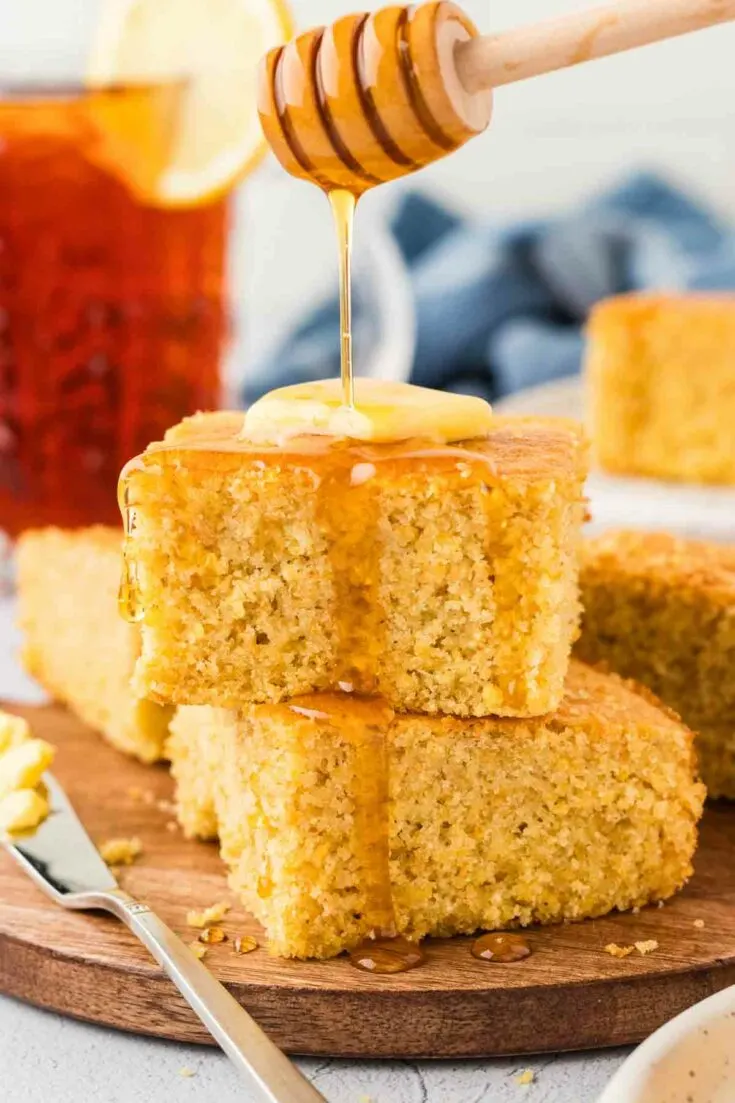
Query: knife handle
point(266, 1068)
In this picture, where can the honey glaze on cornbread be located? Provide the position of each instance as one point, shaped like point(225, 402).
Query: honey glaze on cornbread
point(347, 507)
point(129, 601)
point(362, 722)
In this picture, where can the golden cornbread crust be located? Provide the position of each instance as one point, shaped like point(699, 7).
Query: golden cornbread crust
point(661, 386)
point(491, 823)
point(661, 609)
point(443, 579)
point(75, 643)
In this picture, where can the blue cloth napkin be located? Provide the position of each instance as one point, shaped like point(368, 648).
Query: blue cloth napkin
point(501, 308)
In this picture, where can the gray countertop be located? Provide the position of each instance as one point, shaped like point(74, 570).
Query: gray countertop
point(45, 1058)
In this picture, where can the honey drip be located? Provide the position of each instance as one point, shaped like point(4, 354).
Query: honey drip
point(128, 599)
point(500, 949)
point(371, 830)
point(343, 205)
point(387, 955)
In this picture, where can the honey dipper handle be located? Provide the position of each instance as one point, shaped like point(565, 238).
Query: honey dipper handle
point(492, 60)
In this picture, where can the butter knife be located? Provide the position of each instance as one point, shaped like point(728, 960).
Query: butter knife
point(63, 861)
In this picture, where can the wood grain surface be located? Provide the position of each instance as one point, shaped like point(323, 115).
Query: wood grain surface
point(569, 994)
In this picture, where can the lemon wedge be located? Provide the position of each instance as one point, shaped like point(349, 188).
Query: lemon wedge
point(213, 48)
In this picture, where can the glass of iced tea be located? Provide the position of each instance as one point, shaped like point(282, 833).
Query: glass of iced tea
point(113, 311)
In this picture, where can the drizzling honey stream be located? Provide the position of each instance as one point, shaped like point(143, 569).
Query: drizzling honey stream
point(363, 102)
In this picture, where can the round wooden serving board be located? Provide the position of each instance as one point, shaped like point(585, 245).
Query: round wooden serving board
point(569, 994)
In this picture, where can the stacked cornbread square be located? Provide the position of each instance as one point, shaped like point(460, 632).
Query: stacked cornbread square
point(485, 823)
point(662, 610)
point(661, 386)
point(369, 644)
point(441, 578)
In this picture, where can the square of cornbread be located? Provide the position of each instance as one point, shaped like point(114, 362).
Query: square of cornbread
point(661, 386)
point(443, 578)
point(75, 643)
point(662, 610)
point(337, 815)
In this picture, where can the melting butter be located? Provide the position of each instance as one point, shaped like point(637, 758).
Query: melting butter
point(384, 412)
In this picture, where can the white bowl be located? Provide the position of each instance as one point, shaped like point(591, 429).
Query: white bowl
point(689, 1060)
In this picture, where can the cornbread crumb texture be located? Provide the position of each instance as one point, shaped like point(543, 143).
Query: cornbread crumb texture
point(614, 950)
point(120, 852)
point(195, 770)
point(445, 584)
point(23, 761)
point(491, 823)
point(213, 914)
point(662, 610)
point(75, 642)
point(661, 386)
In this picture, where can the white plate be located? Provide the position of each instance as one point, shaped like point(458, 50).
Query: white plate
point(615, 502)
point(689, 1060)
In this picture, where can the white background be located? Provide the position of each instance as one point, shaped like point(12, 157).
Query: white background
point(552, 141)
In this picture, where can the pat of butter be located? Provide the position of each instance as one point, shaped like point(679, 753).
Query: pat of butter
point(384, 412)
point(22, 766)
point(13, 730)
point(22, 810)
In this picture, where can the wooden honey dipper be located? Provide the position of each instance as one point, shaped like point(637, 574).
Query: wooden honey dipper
point(376, 96)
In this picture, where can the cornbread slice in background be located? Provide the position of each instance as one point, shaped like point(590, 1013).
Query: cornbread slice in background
point(442, 577)
point(662, 610)
point(76, 644)
point(488, 823)
point(661, 386)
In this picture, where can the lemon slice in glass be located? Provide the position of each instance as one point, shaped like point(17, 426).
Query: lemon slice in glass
point(213, 47)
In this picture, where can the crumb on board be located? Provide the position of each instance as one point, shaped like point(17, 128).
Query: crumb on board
point(614, 950)
point(197, 949)
point(172, 826)
point(212, 914)
point(526, 1077)
point(121, 852)
point(698, 923)
point(244, 944)
point(647, 947)
point(166, 806)
point(186, 1072)
point(212, 935)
